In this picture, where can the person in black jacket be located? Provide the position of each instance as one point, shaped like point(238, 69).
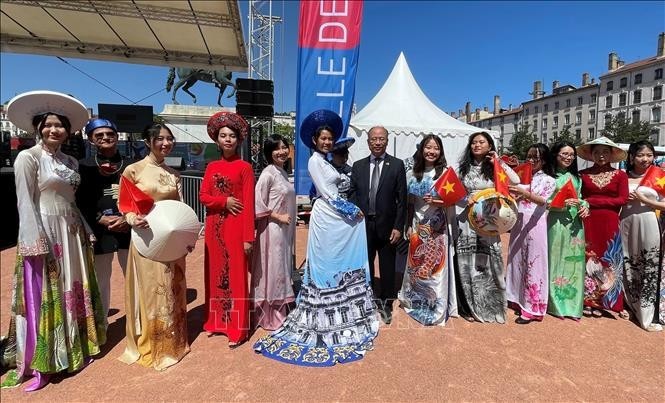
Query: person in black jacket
point(378, 187)
point(97, 198)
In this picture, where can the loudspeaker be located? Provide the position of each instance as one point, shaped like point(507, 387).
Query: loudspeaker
point(254, 98)
point(128, 118)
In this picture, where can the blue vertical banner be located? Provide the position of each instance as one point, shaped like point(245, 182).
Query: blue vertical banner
point(328, 45)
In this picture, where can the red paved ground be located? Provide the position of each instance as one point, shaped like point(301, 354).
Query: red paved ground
point(594, 360)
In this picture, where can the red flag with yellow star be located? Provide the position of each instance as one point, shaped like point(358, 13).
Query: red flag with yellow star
point(449, 187)
point(525, 172)
point(500, 178)
point(567, 191)
point(654, 178)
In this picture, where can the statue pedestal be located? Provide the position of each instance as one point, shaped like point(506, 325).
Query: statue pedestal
point(189, 122)
point(172, 110)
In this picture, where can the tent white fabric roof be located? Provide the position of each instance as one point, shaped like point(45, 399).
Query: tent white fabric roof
point(405, 111)
point(203, 34)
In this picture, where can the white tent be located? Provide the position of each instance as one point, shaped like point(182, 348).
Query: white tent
point(405, 111)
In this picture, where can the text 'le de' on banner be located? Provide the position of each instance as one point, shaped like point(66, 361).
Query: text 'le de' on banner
point(328, 44)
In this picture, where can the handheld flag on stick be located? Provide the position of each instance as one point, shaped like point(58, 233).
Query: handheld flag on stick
point(449, 187)
point(567, 191)
point(500, 178)
point(132, 199)
point(525, 172)
point(654, 178)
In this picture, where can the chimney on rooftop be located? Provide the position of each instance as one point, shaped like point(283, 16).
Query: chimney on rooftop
point(555, 85)
point(585, 79)
point(467, 110)
point(510, 107)
point(537, 89)
point(486, 109)
point(661, 45)
point(613, 61)
point(497, 104)
point(477, 115)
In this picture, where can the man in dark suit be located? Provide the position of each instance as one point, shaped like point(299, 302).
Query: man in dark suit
point(378, 187)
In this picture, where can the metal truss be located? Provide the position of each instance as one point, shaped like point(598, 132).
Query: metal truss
point(261, 39)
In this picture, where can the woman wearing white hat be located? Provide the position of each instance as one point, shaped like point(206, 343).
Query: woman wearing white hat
point(606, 190)
point(57, 321)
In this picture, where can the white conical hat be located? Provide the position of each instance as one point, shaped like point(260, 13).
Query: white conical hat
point(174, 230)
point(617, 155)
point(23, 107)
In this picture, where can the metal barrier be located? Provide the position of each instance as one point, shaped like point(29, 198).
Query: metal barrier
point(191, 184)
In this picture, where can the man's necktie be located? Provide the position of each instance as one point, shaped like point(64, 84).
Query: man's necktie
point(374, 185)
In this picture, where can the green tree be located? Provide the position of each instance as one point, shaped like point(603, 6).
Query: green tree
point(622, 130)
point(566, 136)
point(284, 131)
point(522, 139)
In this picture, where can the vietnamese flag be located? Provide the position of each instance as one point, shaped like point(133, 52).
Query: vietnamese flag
point(132, 199)
point(449, 187)
point(525, 172)
point(500, 178)
point(567, 191)
point(654, 178)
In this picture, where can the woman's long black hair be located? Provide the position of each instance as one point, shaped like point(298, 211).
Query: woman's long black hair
point(487, 168)
point(545, 156)
point(555, 151)
point(419, 159)
point(634, 148)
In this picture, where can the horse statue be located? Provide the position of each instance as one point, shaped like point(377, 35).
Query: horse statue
point(189, 76)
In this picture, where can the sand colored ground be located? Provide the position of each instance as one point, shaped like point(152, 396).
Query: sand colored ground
point(602, 359)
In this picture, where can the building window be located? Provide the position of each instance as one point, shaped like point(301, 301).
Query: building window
point(592, 115)
point(535, 124)
point(655, 114)
point(536, 109)
point(622, 99)
point(610, 85)
point(593, 98)
point(608, 118)
point(657, 92)
point(659, 74)
point(638, 78)
point(546, 107)
point(621, 115)
point(555, 135)
point(578, 134)
point(637, 96)
point(578, 118)
point(636, 116)
point(555, 121)
point(608, 101)
point(501, 120)
point(543, 138)
point(556, 105)
point(567, 103)
point(526, 111)
point(592, 133)
point(579, 101)
point(544, 123)
point(514, 127)
point(623, 82)
point(566, 119)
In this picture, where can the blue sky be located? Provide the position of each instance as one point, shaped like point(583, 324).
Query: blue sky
point(457, 51)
